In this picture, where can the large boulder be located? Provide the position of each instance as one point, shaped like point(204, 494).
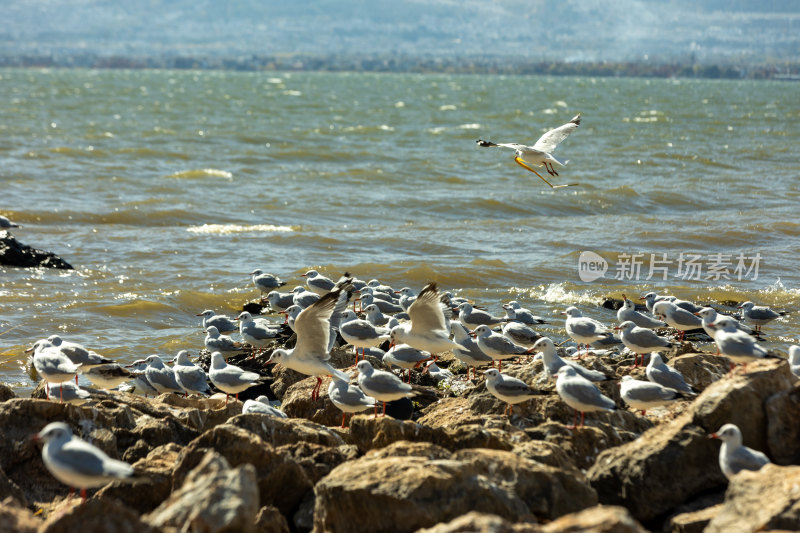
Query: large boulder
point(598, 519)
point(674, 462)
point(783, 426)
point(96, 516)
point(760, 501)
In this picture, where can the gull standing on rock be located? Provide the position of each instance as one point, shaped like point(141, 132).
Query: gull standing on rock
point(262, 405)
point(579, 393)
point(52, 365)
point(258, 334)
point(317, 283)
point(472, 318)
point(736, 345)
point(468, 351)
point(520, 333)
point(733, 455)
point(349, 398)
point(311, 354)
point(161, 377)
point(279, 301)
point(439, 374)
point(553, 362)
point(375, 317)
point(189, 376)
point(215, 342)
point(666, 376)
point(140, 381)
point(383, 386)
point(640, 341)
point(677, 317)
point(406, 357)
point(584, 330)
point(265, 282)
point(759, 315)
point(508, 389)
point(426, 330)
point(497, 346)
point(75, 462)
point(221, 322)
point(230, 379)
point(708, 316)
point(644, 395)
point(628, 312)
point(516, 312)
point(361, 333)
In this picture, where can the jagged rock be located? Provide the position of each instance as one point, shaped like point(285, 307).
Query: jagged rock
point(598, 519)
point(6, 392)
point(701, 369)
point(676, 461)
point(783, 429)
point(281, 481)
point(280, 431)
point(410, 492)
point(369, 433)
point(9, 489)
point(317, 460)
point(96, 516)
point(15, 517)
point(212, 498)
point(270, 520)
point(15, 254)
point(694, 521)
point(475, 522)
point(758, 501)
point(297, 402)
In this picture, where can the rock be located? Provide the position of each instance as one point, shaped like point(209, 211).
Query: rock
point(475, 522)
point(15, 254)
point(15, 517)
point(676, 461)
point(6, 392)
point(317, 460)
point(694, 521)
point(700, 369)
point(783, 429)
point(96, 516)
point(270, 520)
point(9, 489)
point(214, 497)
point(598, 519)
point(280, 431)
point(297, 402)
point(410, 492)
point(369, 433)
point(281, 481)
point(758, 501)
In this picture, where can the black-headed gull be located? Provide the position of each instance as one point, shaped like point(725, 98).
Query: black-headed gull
point(644, 395)
point(468, 351)
point(230, 379)
point(265, 282)
point(677, 317)
point(580, 394)
point(584, 330)
point(381, 385)
point(733, 455)
point(216, 342)
point(51, 364)
point(664, 375)
point(427, 329)
point(759, 315)
point(640, 341)
point(262, 405)
point(735, 344)
point(472, 318)
point(628, 312)
point(160, 376)
point(221, 322)
point(190, 377)
point(497, 346)
point(553, 362)
point(317, 283)
point(508, 389)
point(349, 398)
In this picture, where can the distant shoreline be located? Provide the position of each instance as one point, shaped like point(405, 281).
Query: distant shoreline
point(403, 64)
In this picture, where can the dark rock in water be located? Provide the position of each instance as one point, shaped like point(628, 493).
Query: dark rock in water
point(15, 254)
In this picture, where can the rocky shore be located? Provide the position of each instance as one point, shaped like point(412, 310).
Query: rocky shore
point(457, 465)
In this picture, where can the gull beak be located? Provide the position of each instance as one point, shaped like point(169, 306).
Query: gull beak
point(29, 350)
point(617, 328)
point(712, 325)
point(713, 436)
point(696, 314)
point(199, 314)
point(642, 298)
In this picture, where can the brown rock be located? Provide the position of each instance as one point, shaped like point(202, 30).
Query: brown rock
point(280, 431)
point(297, 402)
point(475, 522)
point(783, 429)
point(369, 433)
point(598, 519)
point(6, 392)
point(674, 462)
point(9, 489)
point(15, 517)
point(213, 498)
point(694, 521)
point(701, 369)
point(270, 520)
point(96, 516)
point(317, 460)
point(757, 501)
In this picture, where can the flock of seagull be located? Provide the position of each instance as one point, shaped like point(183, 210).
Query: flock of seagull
point(418, 328)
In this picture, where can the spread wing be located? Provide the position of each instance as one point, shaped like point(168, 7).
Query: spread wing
point(548, 142)
point(426, 313)
point(312, 326)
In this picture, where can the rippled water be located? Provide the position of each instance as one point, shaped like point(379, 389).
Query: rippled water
point(164, 189)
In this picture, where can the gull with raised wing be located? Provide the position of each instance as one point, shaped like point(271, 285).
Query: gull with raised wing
point(221, 322)
point(311, 354)
point(190, 377)
point(230, 379)
point(640, 341)
point(497, 346)
point(666, 376)
point(644, 395)
point(553, 362)
point(580, 394)
point(349, 398)
point(508, 389)
point(541, 153)
point(426, 330)
point(733, 455)
point(381, 385)
point(76, 463)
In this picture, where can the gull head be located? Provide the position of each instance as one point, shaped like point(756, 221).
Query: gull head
point(278, 356)
point(572, 312)
point(244, 316)
point(625, 326)
point(154, 361)
point(481, 331)
point(364, 367)
point(212, 331)
point(729, 434)
point(182, 358)
point(57, 432)
point(707, 313)
point(208, 313)
point(725, 324)
point(491, 374)
point(310, 274)
point(543, 345)
point(747, 306)
point(217, 361)
point(256, 272)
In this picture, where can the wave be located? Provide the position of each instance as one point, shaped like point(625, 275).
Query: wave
point(202, 173)
point(227, 229)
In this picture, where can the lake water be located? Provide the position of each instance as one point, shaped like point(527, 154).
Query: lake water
point(166, 188)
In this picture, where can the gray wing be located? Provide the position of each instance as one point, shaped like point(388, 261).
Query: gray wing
point(649, 392)
point(548, 142)
point(586, 327)
point(646, 338)
point(740, 346)
point(644, 321)
point(194, 379)
point(222, 323)
point(663, 375)
point(361, 329)
point(763, 313)
point(513, 387)
point(588, 373)
point(746, 459)
point(386, 383)
point(685, 318)
point(586, 393)
point(503, 345)
point(82, 457)
point(350, 395)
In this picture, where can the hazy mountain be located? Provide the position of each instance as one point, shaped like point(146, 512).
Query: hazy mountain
point(567, 30)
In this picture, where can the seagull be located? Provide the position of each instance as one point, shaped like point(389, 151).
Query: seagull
point(709, 316)
point(628, 312)
point(161, 377)
point(736, 345)
point(407, 297)
point(520, 333)
point(6, 223)
point(516, 312)
point(189, 376)
point(69, 393)
point(579, 393)
point(140, 381)
point(652, 298)
point(78, 354)
point(405, 356)
point(677, 317)
point(303, 297)
point(375, 316)
point(426, 330)
point(540, 154)
point(349, 398)
point(108, 376)
point(472, 318)
point(280, 301)
point(794, 359)
point(220, 343)
point(508, 389)
point(265, 282)
point(644, 395)
point(317, 283)
point(468, 351)
point(583, 330)
point(437, 373)
point(553, 362)
point(640, 341)
point(75, 462)
point(51, 364)
point(759, 315)
point(735, 457)
point(381, 385)
point(257, 334)
point(497, 346)
point(221, 322)
point(664, 375)
point(384, 306)
point(230, 379)
point(311, 354)
point(262, 405)
point(361, 333)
